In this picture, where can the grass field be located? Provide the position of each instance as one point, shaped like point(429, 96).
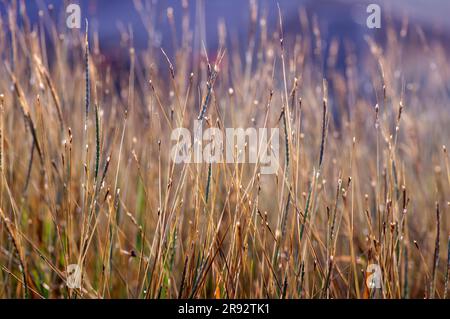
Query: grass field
point(86, 178)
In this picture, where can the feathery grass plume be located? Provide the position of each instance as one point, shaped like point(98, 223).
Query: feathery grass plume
point(85, 145)
point(447, 272)
point(97, 155)
point(285, 109)
point(87, 98)
point(97, 142)
point(213, 71)
point(44, 73)
point(324, 121)
point(97, 137)
point(208, 182)
point(436, 253)
point(286, 140)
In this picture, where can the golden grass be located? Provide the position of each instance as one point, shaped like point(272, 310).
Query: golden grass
point(86, 178)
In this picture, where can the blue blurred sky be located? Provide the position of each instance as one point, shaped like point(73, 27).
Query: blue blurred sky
point(344, 19)
point(337, 17)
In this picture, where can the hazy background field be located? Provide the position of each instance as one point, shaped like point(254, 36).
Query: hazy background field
point(363, 176)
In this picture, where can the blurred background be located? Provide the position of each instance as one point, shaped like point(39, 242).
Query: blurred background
point(343, 19)
point(404, 63)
